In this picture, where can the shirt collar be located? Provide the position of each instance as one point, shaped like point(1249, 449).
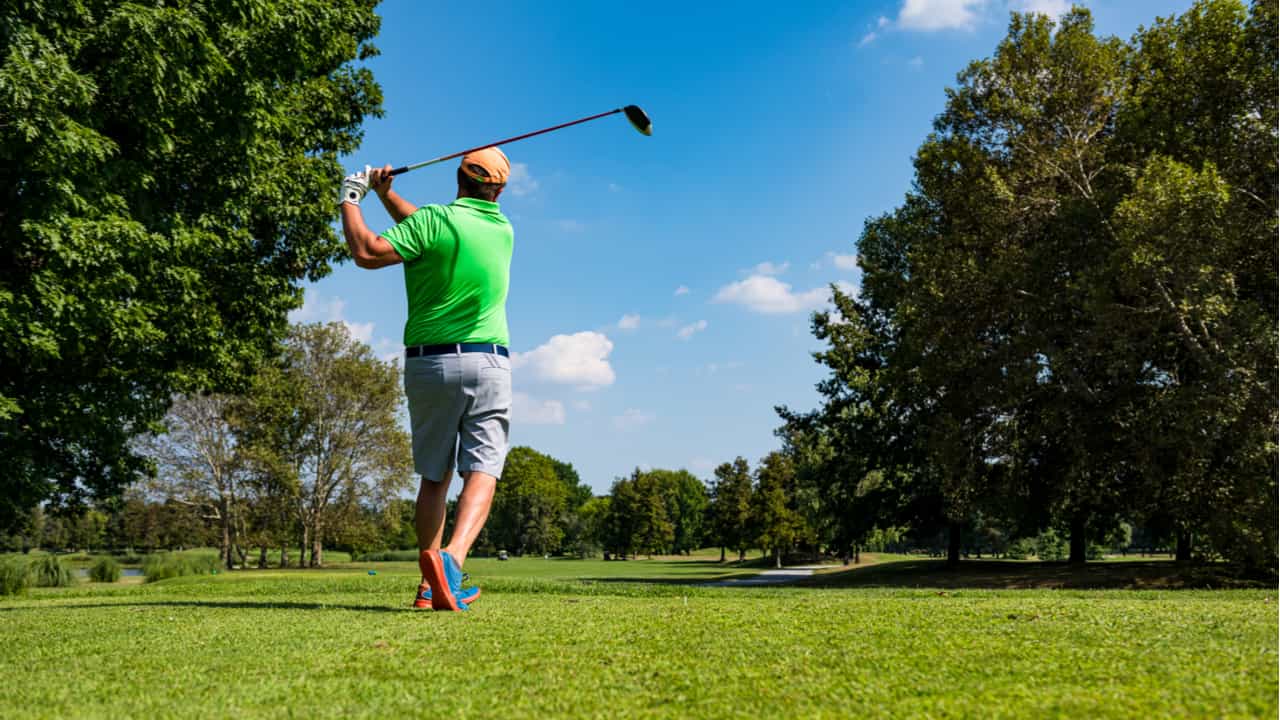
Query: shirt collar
point(477, 204)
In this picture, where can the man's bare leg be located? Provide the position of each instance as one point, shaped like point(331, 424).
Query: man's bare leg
point(473, 511)
point(428, 514)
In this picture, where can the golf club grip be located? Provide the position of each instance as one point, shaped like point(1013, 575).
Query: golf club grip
point(400, 170)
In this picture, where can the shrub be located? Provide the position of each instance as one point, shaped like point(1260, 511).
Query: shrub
point(1050, 546)
point(15, 576)
point(105, 570)
point(389, 556)
point(162, 566)
point(1021, 549)
point(48, 571)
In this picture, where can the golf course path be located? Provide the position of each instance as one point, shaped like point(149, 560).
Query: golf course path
point(768, 577)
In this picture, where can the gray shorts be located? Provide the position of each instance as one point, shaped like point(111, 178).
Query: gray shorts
point(459, 407)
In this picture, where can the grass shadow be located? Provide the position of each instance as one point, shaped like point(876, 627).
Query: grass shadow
point(1013, 575)
point(222, 604)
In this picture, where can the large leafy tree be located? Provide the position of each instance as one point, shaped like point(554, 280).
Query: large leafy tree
point(1072, 317)
point(529, 505)
point(732, 520)
point(324, 430)
point(168, 172)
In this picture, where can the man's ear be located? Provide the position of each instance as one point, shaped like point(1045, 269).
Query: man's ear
point(499, 193)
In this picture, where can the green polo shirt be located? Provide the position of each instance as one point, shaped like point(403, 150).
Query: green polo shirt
point(457, 265)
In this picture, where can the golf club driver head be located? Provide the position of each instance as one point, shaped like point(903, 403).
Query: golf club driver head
point(638, 119)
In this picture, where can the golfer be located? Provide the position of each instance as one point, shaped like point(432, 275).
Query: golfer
point(457, 372)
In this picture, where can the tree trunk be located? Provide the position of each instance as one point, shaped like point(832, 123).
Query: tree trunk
point(954, 536)
point(1079, 540)
point(317, 548)
point(777, 558)
point(721, 553)
point(284, 555)
point(306, 541)
point(857, 554)
point(262, 558)
point(224, 551)
point(742, 554)
point(1182, 554)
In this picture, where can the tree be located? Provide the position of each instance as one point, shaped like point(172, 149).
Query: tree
point(777, 523)
point(200, 464)
point(529, 504)
point(170, 173)
point(325, 424)
point(685, 500)
point(731, 507)
point(1071, 320)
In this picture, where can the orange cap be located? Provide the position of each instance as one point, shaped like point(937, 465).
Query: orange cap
point(488, 165)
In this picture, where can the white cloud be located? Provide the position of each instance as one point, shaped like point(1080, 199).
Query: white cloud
point(582, 405)
point(531, 411)
point(581, 359)
point(572, 226)
point(688, 331)
point(768, 268)
point(844, 262)
point(867, 39)
point(520, 182)
point(316, 308)
point(933, 15)
point(632, 418)
point(770, 296)
point(630, 321)
point(1052, 8)
point(389, 350)
point(916, 62)
point(615, 187)
point(882, 22)
point(682, 290)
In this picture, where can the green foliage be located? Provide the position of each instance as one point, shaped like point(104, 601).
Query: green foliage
point(1071, 320)
point(529, 505)
point(15, 575)
point(779, 525)
point(1021, 549)
point(389, 556)
point(1050, 546)
point(731, 510)
point(162, 566)
point(321, 430)
point(106, 569)
point(48, 571)
point(172, 170)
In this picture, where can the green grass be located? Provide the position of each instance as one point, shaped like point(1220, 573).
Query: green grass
point(542, 642)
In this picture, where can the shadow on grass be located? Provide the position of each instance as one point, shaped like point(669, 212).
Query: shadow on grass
point(232, 605)
point(1012, 575)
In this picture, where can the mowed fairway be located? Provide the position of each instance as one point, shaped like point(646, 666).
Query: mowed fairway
point(543, 643)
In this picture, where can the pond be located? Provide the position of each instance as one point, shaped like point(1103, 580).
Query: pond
point(124, 572)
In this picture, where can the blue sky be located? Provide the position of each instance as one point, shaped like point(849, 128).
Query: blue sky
point(661, 287)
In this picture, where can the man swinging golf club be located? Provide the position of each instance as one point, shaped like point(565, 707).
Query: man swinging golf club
point(457, 373)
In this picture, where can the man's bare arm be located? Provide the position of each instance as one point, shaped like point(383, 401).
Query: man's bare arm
point(380, 182)
point(368, 249)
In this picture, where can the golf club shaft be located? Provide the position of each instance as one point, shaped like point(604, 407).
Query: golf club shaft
point(415, 166)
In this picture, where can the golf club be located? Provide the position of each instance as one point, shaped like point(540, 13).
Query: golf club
point(638, 119)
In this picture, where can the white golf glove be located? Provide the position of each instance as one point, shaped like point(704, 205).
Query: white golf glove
point(354, 187)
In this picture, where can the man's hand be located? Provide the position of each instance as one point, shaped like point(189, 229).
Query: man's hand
point(380, 180)
point(354, 187)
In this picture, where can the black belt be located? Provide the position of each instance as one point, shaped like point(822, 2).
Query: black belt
point(454, 348)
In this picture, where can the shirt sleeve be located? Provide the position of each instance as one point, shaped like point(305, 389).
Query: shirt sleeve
point(414, 236)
